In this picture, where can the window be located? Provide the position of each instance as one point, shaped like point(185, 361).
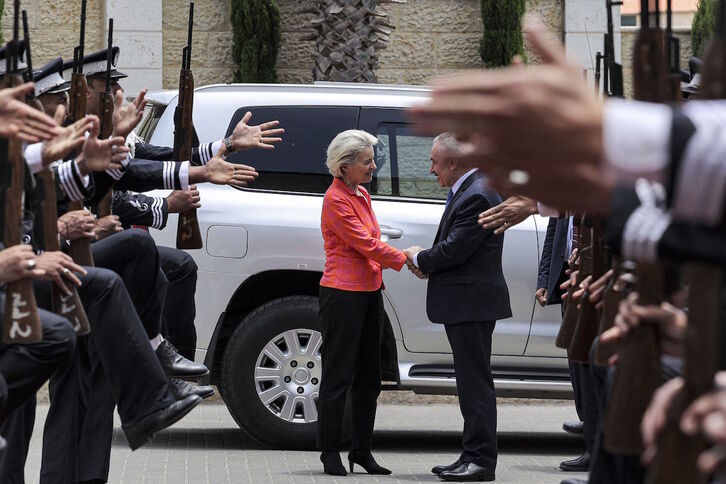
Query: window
point(298, 163)
point(629, 20)
point(403, 160)
point(148, 123)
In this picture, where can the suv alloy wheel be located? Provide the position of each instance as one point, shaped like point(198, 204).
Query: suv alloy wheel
point(271, 372)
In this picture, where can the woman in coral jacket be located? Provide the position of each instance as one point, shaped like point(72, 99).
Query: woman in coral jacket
point(351, 305)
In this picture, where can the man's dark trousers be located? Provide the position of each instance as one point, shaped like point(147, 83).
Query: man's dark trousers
point(472, 347)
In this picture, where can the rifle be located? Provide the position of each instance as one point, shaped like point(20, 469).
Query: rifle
point(598, 63)
point(618, 288)
point(80, 249)
point(613, 80)
point(673, 57)
point(188, 235)
point(703, 333)
point(67, 306)
point(569, 319)
point(639, 353)
point(594, 264)
point(22, 323)
point(105, 110)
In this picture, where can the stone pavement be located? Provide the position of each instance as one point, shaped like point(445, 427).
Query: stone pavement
point(207, 447)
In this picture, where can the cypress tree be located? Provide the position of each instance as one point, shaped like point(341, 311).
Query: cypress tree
point(256, 28)
point(502, 31)
point(704, 25)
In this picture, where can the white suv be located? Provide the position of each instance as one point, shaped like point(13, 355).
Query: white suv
point(263, 257)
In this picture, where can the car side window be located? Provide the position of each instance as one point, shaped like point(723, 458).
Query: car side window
point(403, 161)
point(298, 163)
point(147, 126)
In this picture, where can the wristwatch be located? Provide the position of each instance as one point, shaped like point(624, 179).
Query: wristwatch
point(228, 145)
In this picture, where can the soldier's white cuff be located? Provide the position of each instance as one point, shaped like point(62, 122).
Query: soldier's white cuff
point(34, 157)
point(636, 139)
point(184, 175)
point(70, 180)
point(157, 220)
point(85, 179)
point(207, 150)
point(646, 225)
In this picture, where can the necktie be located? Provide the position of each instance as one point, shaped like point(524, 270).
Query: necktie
point(448, 198)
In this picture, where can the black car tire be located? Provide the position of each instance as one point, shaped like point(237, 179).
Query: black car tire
point(239, 392)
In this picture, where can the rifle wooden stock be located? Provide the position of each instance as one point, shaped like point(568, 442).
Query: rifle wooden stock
point(638, 371)
point(67, 306)
point(188, 235)
point(614, 294)
point(106, 107)
point(80, 249)
point(587, 321)
point(676, 460)
point(569, 319)
point(22, 323)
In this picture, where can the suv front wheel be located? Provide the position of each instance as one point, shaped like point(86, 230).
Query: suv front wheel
point(271, 372)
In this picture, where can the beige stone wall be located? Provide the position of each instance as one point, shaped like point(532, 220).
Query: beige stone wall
point(54, 27)
point(629, 34)
point(211, 45)
point(431, 37)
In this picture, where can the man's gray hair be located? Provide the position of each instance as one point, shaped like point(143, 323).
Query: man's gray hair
point(345, 148)
point(449, 143)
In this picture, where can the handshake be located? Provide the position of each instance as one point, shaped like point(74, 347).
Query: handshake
point(410, 253)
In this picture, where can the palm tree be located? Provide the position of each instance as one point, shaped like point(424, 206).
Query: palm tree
point(347, 35)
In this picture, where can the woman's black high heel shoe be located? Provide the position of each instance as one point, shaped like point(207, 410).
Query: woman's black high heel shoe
point(365, 459)
point(332, 465)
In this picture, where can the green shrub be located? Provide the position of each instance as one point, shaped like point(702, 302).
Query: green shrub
point(256, 28)
point(704, 25)
point(502, 31)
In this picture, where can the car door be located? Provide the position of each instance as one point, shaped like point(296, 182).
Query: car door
point(408, 203)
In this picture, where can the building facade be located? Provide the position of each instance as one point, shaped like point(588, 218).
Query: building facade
point(432, 37)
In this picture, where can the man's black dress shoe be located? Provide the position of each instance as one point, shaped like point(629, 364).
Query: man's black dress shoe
point(141, 432)
point(439, 469)
point(175, 365)
point(181, 389)
point(573, 427)
point(468, 472)
point(579, 464)
point(573, 481)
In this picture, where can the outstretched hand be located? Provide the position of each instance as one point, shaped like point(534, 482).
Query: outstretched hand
point(507, 214)
point(263, 136)
point(557, 125)
point(222, 172)
point(20, 122)
point(126, 118)
point(100, 155)
point(68, 139)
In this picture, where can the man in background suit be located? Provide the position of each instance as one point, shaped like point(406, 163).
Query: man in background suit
point(554, 262)
point(468, 294)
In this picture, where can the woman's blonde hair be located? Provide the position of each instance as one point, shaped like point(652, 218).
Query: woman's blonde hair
point(345, 148)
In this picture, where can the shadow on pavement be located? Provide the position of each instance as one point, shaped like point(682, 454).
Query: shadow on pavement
point(414, 441)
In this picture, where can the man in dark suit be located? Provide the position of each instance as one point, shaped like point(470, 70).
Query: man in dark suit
point(468, 294)
point(556, 253)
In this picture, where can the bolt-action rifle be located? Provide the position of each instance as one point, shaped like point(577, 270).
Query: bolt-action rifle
point(105, 110)
point(676, 460)
point(639, 353)
point(593, 262)
point(22, 323)
point(65, 305)
point(613, 83)
point(188, 235)
point(580, 240)
point(80, 249)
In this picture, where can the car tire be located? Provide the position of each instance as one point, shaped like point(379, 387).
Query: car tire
point(269, 398)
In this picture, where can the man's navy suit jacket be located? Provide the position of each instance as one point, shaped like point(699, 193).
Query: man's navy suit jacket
point(553, 259)
point(466, 282)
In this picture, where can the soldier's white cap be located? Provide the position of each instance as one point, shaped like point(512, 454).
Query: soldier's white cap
point(94, 65)
point(49, 78)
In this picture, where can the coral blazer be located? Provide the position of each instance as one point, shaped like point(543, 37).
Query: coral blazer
point(354, 253)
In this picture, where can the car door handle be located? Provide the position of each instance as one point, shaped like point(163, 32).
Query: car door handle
point(391, 232)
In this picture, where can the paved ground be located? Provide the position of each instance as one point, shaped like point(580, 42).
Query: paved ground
point(207, 447)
